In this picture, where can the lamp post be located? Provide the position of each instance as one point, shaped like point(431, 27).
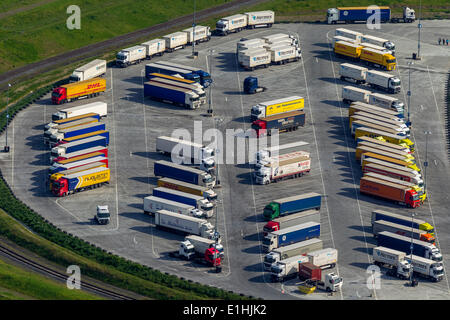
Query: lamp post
point(409, 90)
point(419, 27)
point(412, 246)
point(425, 164)
point(210, 111)
point(193, 33)
point(6, 149)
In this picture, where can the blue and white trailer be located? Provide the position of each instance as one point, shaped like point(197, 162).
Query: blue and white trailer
point(287, 236)
point(172, 94)
point(205, 77)
point(180, 172)
point(168, 70)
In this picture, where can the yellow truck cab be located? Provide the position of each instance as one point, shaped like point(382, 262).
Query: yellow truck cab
point(378, 58)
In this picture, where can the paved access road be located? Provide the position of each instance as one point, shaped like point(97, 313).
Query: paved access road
point(135, 122)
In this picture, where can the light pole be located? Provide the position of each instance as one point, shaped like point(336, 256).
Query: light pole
point(420, 27)
point(193, 34)
point(6, 149)
point(425, 164)
point(409, 90)
point(412, 246)
point(210, 111)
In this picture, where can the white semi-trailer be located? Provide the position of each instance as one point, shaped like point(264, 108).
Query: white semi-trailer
point(175, 41)
point(230, 24)
point(88, 71)
point(253, 60)
point(154, 47)
point(352, 94)
point(383, 81)
point(100, 108)
point(287, 268)
point(132, 55)
point(426, 268)
point(198, 34)
point(291, 250)
point(184, 224)
point(353, 73)
point(257, 19)
point(323, 258)
point(153, 204)
point(284, 54)
point(394, 260)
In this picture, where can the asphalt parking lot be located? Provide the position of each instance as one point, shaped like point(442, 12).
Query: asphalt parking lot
point(135, 122)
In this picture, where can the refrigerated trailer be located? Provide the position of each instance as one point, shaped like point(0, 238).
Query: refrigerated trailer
point(154, 47)
point(291, 220)
point(153, 204)
point(205, 192)
point(403, 220)
point(184, 173)
point(287, 236)
point(132, 55)
point(93, 69)
point(175, 41)
point(382, 225)
point(100, 108)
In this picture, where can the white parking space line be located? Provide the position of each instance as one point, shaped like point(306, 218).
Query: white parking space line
point(318, 160)
point(115, 153)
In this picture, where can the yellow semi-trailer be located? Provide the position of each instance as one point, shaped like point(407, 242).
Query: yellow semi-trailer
point(361, 148)
point(385, 148)
point(392, 138)
point(359, 106)
point(388, 157)
point(273, 107)
point(394, 166)
point(69, 92)
point(347, 50)
point(80, 181)
point(383, 143)
point(377, 58)
point(370, 124)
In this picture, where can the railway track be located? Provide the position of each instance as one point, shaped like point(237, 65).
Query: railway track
point(30, 264)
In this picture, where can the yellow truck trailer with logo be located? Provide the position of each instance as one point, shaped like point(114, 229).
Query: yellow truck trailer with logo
point(367, 145)
point(388, 158)
point(381, 142)
point(80, 181)
point(273, 107)
point(347, 49)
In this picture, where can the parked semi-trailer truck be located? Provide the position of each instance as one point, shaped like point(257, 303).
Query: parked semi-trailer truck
point(201, 250)
point(83, 89)
point(171, 71)
point(100, 108)
point(378, 42)
point(205, 192)
point(101, 133)
point(405, 175)
point(403, 220)
point(402, 243)
point(288, 121)
point(166, 93)
point(75, 131)
point(382, 118)
point(155, 47)
point(153, 204)
point(387, 102)
point(378, 58)
point(383, 81)
point(359, 106)
point(205, 77)
point(278, 106)
point(55, 129)
point(175, 78)
point(55, 123)
point(389, 137)
point(391, 191)
point(79, 158)
point(354, 35)
point(353, 73)
point(55, 168)
point(184, 173)
point(287, 268)
point(230, 24)
point(56, 176)
point(281, 253)
point(380, 141)
point(426, 268)
point(66, 148)
point(286, 166)
point(420, 190)
point(132, 55)
point(284, 54)
point(382, 225)
point(290, 205)
point(175, 41)
point(93, 69)
point(265, 154)
point(199, 91)
point(291, 220)
point(198, 202)
point(184, 224)
point(255, 59)
point(291, 235)
point(187, 152)
point(201, 34)
point(362, 14)
point(379, 125)
point(80, 181)
point(352, 94)
point(89, 152)
point(394, 260)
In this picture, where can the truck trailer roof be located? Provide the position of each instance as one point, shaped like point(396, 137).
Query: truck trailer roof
point(294, 228)
point(297, 197)
point(88, 105)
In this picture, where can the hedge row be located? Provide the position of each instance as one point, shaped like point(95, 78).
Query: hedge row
point(45, 229)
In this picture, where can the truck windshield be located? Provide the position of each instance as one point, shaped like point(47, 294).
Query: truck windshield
point(208, 179)
point(103, 215)
point(121, 56)
point(56, 94)
point(54, 154)
point(269, 258)
point(415, 197)
point(74, 79)
point(396, 82)
point(388, 61)
point(276, 269)
point(266, 240)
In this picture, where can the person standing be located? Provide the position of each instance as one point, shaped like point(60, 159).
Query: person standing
point(439, 41)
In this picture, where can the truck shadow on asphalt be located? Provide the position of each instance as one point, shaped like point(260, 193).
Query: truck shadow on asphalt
point(139, 216)
point(366, 229)
point(252, 237)
point(324, 55)
point(245, 178)
point(322, 45)
point(368, 239)
point(255, 218)
point(258, 279)
point(39, 127)
point(39, 184)
point(149, 180)
point(41, 160)
point(90, 222)
point(155, 155)
point(36, 142)
point(257, 267)
point(244, 119)
point(227, 62)
point(361, 265)
point(136, 80)
point(252, 250)
point(45, 101)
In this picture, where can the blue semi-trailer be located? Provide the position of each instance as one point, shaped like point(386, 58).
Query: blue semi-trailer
point(184, 173)
point(173, 94)
point(102, 133)
point(75, 131)
point(78, 145)
point(290, 235)
point(368, 14)
point(289, 205)
point(168, 70)
point(401, 243)
point(198, 202)
point(205, 77)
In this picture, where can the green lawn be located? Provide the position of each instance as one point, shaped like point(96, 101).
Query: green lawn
point(17, 283)
point(41, 32)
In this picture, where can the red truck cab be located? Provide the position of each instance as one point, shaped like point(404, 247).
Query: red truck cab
point(59, 95)
point(212, 256)
point(60, 187)
point(412, 199)
point(271, 226)
point(260, 127)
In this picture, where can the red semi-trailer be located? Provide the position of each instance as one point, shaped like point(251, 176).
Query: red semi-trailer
point(391, 191)
point(82, 154)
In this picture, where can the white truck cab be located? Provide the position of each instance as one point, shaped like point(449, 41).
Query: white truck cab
point(102, 216)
